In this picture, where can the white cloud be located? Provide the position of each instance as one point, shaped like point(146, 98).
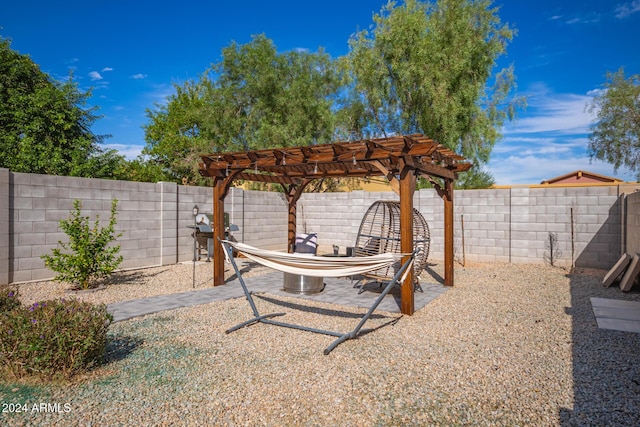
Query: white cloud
point(596, 92)
point(510, 144)
point(160, 95)
point(129, 151)
point(94, 75)
point(590, 18)
point(550, 139)
point(554, 113)
point(533, 169)
point(625, 9)
point(107, 69)
point(139, 76)
point(546, 150)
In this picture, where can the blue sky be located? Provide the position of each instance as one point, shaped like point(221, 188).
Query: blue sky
point(131, 52)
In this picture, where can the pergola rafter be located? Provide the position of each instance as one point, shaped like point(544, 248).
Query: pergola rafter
point(400, 159)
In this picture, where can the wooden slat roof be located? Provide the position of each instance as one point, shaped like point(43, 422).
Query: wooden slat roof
point(363, 158)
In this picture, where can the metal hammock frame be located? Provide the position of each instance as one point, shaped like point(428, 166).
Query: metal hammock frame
point(380, 233)
point(341, 337)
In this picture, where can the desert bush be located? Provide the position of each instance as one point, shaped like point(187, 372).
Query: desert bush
point(8, 299)
point(52, 339)
point(90, 258)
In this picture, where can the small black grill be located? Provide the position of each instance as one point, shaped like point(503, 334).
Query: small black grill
point(203, 235)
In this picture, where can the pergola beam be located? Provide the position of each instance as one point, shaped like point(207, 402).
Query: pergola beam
point(393, 181)
point(400, 159)
point(273, 179)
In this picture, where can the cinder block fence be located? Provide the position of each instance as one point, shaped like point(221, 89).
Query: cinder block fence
point(585, 226)
point(632, 223)
point(579, 226)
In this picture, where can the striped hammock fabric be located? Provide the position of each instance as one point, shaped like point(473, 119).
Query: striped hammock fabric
point(317, 266)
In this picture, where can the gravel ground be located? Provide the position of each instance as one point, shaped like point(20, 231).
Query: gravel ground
point(140, 283)
point(512, 345)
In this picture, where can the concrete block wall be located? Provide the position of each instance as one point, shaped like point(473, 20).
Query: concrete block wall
point(573, 225)
point(519, 225)
point(503, 225)
point(484, 220)
point(336, 217)
point(597, 219)
point(152, 218)
point(39, 202)
point(5, 220)
point(168, 234)
point(187, 197)
point(260, 216)
point(632, 237)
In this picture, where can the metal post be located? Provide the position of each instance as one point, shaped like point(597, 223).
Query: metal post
point(464, 260)
point(195, 245)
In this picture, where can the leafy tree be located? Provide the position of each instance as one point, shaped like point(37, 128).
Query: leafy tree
point(615, 135)
point(46, 127)
point(255, 97)
point(425, 67)
point(475, 179)
point(277, 99)
point(178, 131)
point(142, 170)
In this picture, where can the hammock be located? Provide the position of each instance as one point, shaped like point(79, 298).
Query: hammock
point(317, 266)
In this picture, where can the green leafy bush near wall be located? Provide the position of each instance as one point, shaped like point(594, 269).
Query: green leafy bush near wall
point(89, 256)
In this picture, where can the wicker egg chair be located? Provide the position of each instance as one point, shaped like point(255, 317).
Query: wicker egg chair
point(380, 232)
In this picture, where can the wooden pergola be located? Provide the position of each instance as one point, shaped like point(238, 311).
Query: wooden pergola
point(401, 159)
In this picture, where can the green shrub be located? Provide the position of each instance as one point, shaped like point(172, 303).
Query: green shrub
point(8, 299)
point(52, 339)
point(91, 257)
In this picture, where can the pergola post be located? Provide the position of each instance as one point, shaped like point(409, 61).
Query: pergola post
point(220, 190)
point(292, 224)
point(407, 188)
point(294, 191)
point(219, 193)
point(448, 232)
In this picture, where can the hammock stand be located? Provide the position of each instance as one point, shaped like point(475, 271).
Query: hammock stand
point(266, 318)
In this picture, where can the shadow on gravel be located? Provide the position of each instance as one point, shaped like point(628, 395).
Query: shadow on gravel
point(120, 347)
point(437, 277)
point(333, 313)
point(247, 266)
point(131, 276)
point(606, 364)
point(317, 310)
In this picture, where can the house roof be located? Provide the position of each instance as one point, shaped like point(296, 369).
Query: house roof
point(578, 177)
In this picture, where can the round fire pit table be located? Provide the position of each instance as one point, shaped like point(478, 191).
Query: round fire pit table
point(298, 284)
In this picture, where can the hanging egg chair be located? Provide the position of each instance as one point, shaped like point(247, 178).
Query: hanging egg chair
point(380, 233)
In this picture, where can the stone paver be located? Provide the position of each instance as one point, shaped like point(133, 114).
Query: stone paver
point(618, 315)
point(337, 291)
